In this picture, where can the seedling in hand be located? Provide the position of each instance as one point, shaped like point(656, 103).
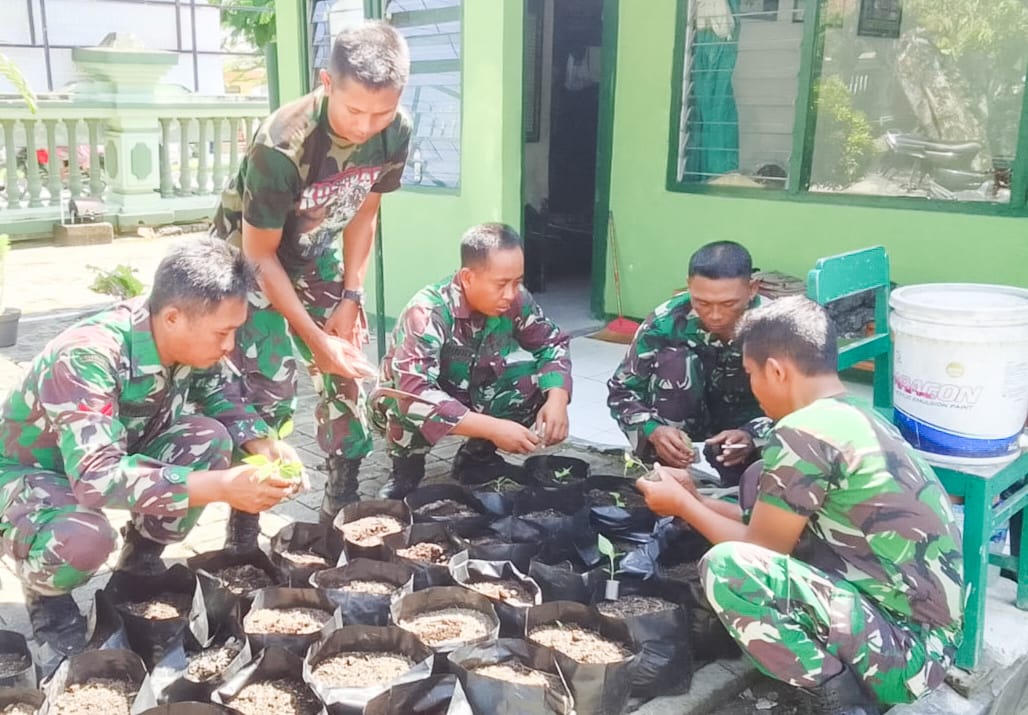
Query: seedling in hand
point(618, 499)
point(284, 469)
point(632, 463)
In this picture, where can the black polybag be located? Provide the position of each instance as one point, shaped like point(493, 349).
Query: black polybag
point(205, 566)
point(519, 554)
point(562, 581)
point(611, 484)
point(442, 597)
point(281, 597)
point(498, 697)
point(426, 574)
point(365, 609)
point(298, 536)
point(152, 639)
point(546, 470)
point(14, 643)
point(423, 496)
point(512, 617)
point(374, 639)
point(114, 664)
point(273, 663)
point(168, 677)
point(598, 688)
point(438, 695)
point(369, 507)
point(498, 497)
point(190, 708)
point(29, 696)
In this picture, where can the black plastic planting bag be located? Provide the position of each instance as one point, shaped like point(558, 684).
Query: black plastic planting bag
point(598, 688)
point(661, 639)
point(449, 504)
point(497, 495)
point(371, 639)
point(426, 573)
point(190, 708)
point(22, 695)
point(495, 549)
point(21, 670)
point(501, 697)
point(361, 608)
point(171, 678)
point(363, 509)
point(92, 664)
point(438, 695)
point(207, 565)
point(279, 598)
point(551, 470)
point(512, 615)
point(153, 638)
point(561, 582)
point(273, 664)
point(612, 490)
point(299, 537)
point(444, 597)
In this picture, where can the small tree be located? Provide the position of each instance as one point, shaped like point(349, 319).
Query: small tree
point(250, 20)
point(13, 75)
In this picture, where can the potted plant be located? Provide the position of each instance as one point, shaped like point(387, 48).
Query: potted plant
point(8, 316)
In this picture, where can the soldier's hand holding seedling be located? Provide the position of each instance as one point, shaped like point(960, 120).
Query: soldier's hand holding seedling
point(664, 490)
point(673, 446)
point(274, 457)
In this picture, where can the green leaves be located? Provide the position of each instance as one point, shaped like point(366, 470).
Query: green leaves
point(119, 281)
point(284, 469)
point(606, 548)
point(632, 463)
point(618, 499)
point(562, 476)
point(13, 75)
point(284, 431)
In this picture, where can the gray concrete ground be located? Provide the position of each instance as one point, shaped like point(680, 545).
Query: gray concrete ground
point(51, 286)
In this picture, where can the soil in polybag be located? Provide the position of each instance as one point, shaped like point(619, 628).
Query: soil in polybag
point(97, 681)
point(290, 618)
point(497, 495)
point(20, 701)
point(595, 654)
point(511, 676)
point(17, 669)
point(555, 471)
point(301, 549)
point(271, 683)
point(363, 589)
point(446, 503)
point(354, 664)
point(512, 593)
point(365, 524)
point(426, 549)
point(159, 610)
point(446, 617)
point(241, 574)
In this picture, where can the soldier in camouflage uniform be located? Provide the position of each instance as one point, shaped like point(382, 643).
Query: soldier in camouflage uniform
point(304, 207)
point(474, 356)
point(683, 372)
point(845, 579)
point(100, 421)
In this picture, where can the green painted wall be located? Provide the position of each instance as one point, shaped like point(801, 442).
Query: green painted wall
point(291, 52)
point(657, 230)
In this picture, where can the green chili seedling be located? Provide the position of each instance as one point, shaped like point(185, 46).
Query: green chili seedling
point(286, 469)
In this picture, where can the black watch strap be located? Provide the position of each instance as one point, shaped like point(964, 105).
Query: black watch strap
point(357, 296)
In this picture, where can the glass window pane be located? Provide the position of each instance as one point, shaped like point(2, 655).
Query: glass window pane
point(739, 83)
point(920, 98)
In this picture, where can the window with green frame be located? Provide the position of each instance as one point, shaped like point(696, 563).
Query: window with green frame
point(433, 94)
point(913, 102)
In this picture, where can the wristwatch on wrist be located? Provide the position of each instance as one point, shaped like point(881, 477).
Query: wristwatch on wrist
point(357, 296)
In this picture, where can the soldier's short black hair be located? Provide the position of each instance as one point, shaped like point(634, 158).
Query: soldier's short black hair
point(479, 241)
point(196, 276)
point(372, 53)
point(721, 259)
point(795, 328)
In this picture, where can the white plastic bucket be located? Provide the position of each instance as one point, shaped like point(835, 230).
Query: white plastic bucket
point(960, 371)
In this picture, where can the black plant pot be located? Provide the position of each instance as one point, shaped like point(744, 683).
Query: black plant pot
point(9, 327)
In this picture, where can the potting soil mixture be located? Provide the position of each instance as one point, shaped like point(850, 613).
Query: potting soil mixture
point(360, 669)
point(290, 621)
point(243, 578)
point(304, 558)
point(514, 671)
point(580, 644)
point(209, 664)
point(97, 695)
point(634, 606)
point(508, 590)
point(426, 551)
point(447, 625)
point(370, 530)
point(628, 498)
point(19, 709)
point(543, 515)
point(161, 607)
point(281, 697)
point(373, 588)
point(446, 508)
point(13, 663)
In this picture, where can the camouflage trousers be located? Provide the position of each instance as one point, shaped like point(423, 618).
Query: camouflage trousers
point(266, 354)
point(513, 395)
point(57, 544)
point(801, 626)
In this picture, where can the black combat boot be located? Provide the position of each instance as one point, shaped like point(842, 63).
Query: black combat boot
point(477, 462)
point(842, 694)
point(139, 555)
point(57, 623)
point(242, 531)
point(341, 489)
point(406, 475)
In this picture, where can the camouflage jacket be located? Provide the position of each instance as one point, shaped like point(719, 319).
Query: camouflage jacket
point(96, 396)
point(634, 390)
point(448, 354)
point(878, 515)
point(299, 177)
